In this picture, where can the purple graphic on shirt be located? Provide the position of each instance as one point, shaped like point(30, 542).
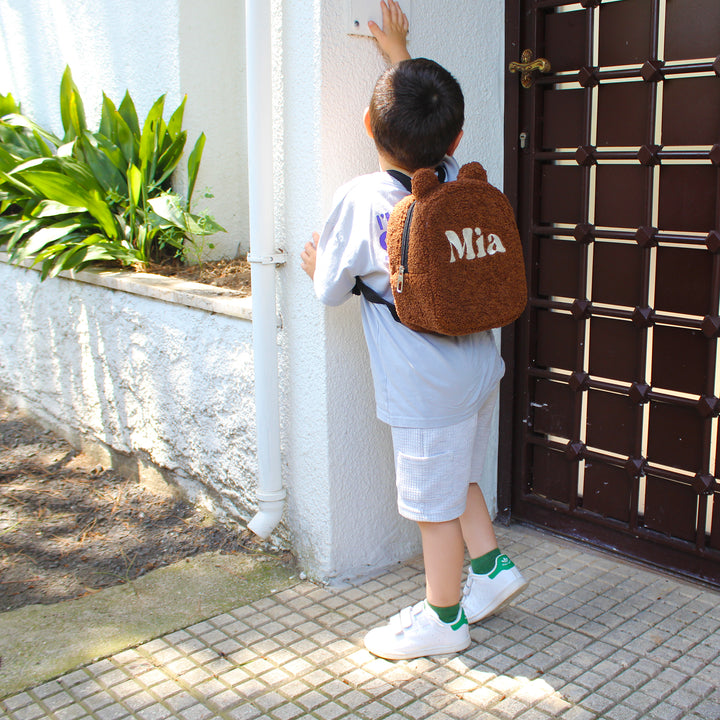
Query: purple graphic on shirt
point(382, 221)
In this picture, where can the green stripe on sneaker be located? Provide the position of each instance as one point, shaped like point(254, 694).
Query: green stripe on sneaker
point(462, 620)
point(503, 562)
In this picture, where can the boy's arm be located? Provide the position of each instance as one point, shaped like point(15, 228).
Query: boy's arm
point(392, 39)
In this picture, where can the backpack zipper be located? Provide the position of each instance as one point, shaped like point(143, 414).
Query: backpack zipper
point(404, 246)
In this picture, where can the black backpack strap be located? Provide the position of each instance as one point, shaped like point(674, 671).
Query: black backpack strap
point(371, 296)
point(406, 180)
point(402, 178)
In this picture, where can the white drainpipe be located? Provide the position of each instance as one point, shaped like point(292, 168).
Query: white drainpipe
point(263, 258)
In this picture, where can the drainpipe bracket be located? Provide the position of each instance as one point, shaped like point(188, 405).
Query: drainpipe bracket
point(277, 259)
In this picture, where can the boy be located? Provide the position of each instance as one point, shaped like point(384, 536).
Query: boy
point(437, 393)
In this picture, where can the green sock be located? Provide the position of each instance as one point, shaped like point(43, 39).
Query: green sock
point(484, 564)
point(448, 614)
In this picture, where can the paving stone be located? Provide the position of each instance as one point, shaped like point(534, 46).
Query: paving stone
point(112, 712)
point(577, 713)
point(597, 703)
point(27, 712)
point(708, 709)
point(243, 712)
point(622, 712)
point(418, 710)
point(666, 711)
point(532, 714)
point(288, 711)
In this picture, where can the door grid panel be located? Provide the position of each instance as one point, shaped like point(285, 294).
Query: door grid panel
point(617, 379)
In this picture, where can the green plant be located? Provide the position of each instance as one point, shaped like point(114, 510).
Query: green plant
point(96, 196)
point(193, 253)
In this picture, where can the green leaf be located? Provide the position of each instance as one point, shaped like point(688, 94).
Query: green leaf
point(63, 189)
point(75, 169)
point(18, 237)
point(135, 182)
point(13, 230)
point(43, 237)
point(168, 207)
point(204, 225)
point(8, 105)
point(95, 195)
point(149, 139)
point(66, 149)
point(16, 183)
point(129, 114)
point(164, 140)
point(115, 132)
point(50, 208)
point(20, 121)
point(71, 258)
point(103, 168)
point(124, 139)
point(7, 161)
point(170, 158)
point(42, 145)
point(114, 154)
point(174, 125)
point(107, 117)
point(71, 107)
point(194, 166)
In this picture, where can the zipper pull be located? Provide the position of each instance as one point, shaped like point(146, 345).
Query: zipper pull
point(401, 279)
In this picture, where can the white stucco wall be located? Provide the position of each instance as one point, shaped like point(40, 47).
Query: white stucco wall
point(171, 47)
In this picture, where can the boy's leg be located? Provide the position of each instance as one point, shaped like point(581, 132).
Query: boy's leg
point(443, 555)
point(477, 528)
point(493, 580)
point(436, 625)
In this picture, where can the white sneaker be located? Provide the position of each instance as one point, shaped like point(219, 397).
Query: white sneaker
point(417, 631)
point(485, 594)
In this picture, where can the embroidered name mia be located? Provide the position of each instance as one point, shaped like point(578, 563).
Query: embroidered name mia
point(473, 247)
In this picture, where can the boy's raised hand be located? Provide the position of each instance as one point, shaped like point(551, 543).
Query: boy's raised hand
point(309, 256)
point(392, 37)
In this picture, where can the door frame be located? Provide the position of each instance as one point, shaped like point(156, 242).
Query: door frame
point(509, 408)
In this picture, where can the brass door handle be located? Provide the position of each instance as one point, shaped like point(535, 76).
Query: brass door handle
point(527, 66)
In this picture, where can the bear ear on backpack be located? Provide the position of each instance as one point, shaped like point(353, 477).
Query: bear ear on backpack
point(424, 181)
point(472, 171)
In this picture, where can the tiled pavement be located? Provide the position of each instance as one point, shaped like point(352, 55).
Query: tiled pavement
point(593, 637)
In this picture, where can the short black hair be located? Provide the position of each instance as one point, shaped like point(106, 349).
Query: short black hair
point(416, 111)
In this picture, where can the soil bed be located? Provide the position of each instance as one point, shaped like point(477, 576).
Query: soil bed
point(233, 274)
point(69, 528)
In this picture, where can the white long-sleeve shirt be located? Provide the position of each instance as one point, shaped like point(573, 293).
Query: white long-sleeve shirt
point(421, 379)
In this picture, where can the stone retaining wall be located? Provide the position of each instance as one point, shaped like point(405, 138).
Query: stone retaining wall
point(154, 372)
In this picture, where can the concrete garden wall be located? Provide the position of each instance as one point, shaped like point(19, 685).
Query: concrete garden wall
point(105, 362)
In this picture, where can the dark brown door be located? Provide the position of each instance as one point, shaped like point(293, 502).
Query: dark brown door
point(614, 166)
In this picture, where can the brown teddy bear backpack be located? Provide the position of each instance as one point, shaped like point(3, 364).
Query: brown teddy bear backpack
point(456, 262)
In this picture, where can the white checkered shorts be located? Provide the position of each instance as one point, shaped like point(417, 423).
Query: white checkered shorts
point(435, 466)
